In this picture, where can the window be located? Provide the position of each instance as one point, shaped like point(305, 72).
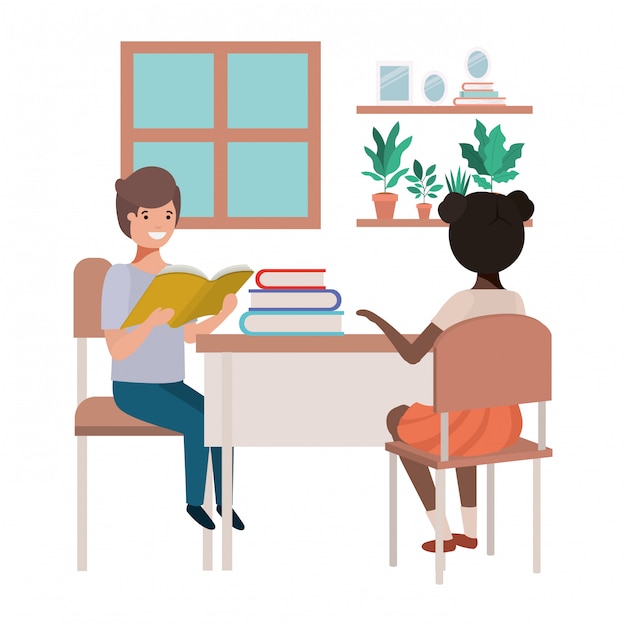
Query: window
point(237, 124)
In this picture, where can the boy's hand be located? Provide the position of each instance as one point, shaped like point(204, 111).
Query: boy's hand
point(228, 305)
point(159, 316)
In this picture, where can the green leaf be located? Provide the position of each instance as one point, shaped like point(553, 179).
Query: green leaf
point(417, 168)
point(504, 177)
point(430, 170)
point(378, 166)
point(374, 176)
point(514, 153)
point(448, 182)
point(494, 151)
point(483, 183)
point(394, 159)
point(480, 132)
point(474, 160)
point(393, 134)
point(431, 195)
point(380, 144)
point(430, 180)
point(436, 187)
point(412, 179)
point(396, 177)
point(390, 147)
point(414, 190)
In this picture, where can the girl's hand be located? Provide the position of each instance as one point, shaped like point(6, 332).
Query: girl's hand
point(372, 317)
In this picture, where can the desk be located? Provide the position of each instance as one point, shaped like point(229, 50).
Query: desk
point(298, 391)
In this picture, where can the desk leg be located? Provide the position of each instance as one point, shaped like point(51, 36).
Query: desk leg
point(227, 461)
point(207, 535)
point(393, 509)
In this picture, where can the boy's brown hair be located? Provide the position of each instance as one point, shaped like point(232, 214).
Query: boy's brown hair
point(148, 187)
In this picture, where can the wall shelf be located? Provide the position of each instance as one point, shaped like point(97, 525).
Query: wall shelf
point(445, 109)
point(398, 223)
point(432, 110)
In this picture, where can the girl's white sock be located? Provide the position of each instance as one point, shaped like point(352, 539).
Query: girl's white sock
point(446, 529)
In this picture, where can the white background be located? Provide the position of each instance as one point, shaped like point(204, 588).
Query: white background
point(315, 547)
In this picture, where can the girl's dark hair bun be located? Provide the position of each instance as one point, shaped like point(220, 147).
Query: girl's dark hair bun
point(523, 203)
point(452, 207)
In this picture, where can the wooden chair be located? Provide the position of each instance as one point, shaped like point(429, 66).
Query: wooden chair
point(494, 360)
point(99, 416)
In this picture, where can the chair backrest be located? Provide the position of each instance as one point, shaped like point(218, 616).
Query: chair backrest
point(88, 280)
point(492, 360)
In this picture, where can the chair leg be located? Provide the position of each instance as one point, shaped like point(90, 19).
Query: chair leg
point(440, 512)
point(393, 509)
point(536, 516)
point(490, 509)
point(81, 501)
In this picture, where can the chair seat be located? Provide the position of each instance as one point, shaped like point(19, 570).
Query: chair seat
point(100, 416)
point(521, 450)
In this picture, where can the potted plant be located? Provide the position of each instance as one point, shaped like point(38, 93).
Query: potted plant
point(492, 161)
point(424, 187)
point(458, 183)
point(386, 164)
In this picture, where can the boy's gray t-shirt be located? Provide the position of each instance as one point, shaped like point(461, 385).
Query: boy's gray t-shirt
point(161, 357)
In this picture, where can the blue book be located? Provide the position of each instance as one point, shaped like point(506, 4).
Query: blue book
point(478, 94)
point(301, 322)
point(294, 299)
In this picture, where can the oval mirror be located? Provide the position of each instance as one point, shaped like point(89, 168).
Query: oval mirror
point(477, 63)
point(434, 87)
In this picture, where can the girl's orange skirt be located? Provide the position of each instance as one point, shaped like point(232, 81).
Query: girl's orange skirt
point(472, 432)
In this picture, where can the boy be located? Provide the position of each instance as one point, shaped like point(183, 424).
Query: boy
point(148, 359)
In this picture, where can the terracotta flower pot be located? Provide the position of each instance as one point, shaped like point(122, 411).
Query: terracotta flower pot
point(385, 204)
point(423, 209)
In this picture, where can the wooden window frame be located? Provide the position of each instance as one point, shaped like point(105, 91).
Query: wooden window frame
point(220, 135)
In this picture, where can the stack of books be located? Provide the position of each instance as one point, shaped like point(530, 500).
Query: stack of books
point(478, 93)
point(292, 302)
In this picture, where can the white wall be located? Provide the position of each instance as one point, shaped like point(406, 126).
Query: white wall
point(315, 547)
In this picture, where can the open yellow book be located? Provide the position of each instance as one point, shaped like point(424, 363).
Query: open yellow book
point(189, 292)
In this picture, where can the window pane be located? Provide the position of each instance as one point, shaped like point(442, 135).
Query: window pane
point(268, 91)
point(191, 164)
point(173, 90)
point(267, 179)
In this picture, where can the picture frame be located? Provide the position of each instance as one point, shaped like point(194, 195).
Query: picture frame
point(434, 87)
point(477, 64)
point(394, 82)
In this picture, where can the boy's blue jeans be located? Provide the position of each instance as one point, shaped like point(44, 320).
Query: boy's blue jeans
point(180, 408)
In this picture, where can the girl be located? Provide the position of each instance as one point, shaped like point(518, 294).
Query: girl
point(486, 236)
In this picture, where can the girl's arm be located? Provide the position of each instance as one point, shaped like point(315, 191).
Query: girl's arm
point(210, 324)
point(412, 352)
point(122, 344)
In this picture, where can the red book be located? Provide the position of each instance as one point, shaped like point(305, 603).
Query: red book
point(290, 278)
point(477, 86)
point(478, 101)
